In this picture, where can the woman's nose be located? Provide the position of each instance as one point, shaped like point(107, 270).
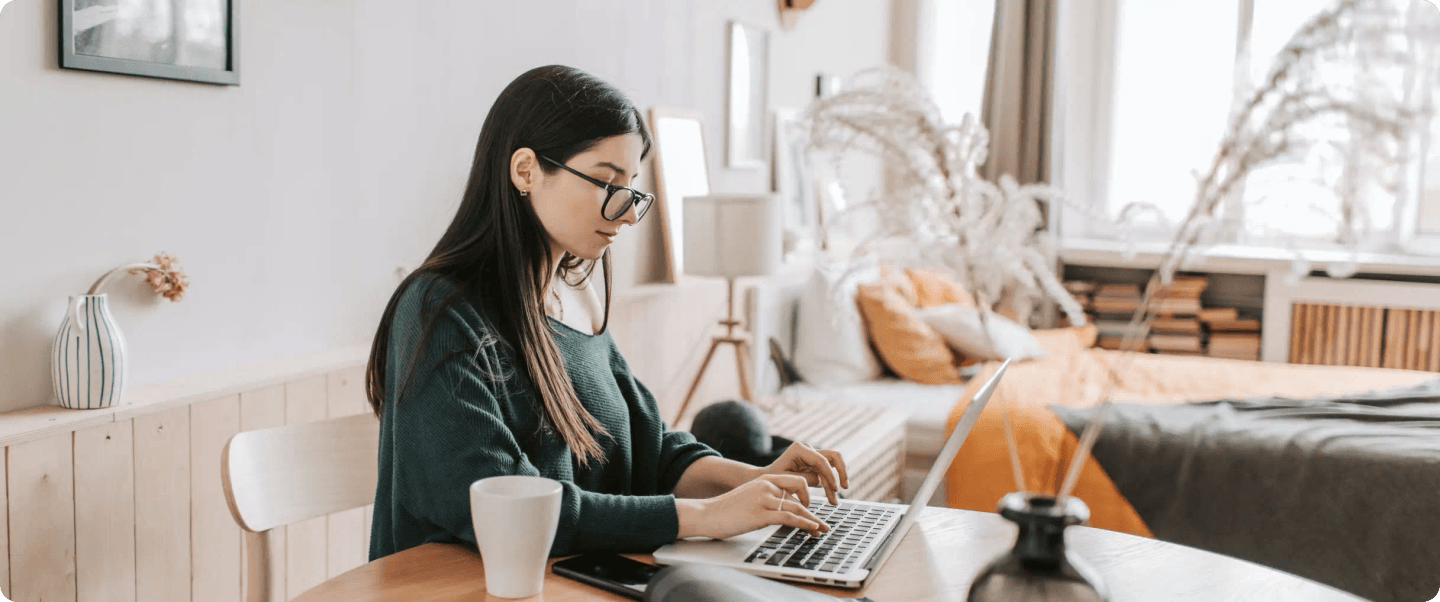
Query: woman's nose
point(630, 216)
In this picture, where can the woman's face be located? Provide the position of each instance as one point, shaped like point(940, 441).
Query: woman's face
point(568, 206)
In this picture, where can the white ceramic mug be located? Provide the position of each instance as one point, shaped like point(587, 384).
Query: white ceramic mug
point(515, 519)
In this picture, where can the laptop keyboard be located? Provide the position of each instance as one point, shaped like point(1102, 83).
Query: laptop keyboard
point(853, 531)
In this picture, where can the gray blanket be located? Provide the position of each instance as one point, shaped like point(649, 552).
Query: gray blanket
point(1344, 490)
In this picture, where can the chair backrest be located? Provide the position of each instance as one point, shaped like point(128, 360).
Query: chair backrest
point(283, 475)
point(280, 476)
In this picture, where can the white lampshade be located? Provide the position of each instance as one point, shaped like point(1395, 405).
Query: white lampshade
point(732, 235)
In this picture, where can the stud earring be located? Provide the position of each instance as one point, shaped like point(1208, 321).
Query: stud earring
point(524, 193)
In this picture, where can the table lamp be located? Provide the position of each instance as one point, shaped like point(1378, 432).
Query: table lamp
point(730, 236)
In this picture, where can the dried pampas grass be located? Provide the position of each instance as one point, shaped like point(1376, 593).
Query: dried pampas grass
point(936, 211)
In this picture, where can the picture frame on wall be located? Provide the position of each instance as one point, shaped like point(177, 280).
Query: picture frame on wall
point(748, 75)
point(187, 40)
point(682, 169)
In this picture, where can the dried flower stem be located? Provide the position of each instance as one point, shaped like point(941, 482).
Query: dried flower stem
point(163, 275)
point(95, 288)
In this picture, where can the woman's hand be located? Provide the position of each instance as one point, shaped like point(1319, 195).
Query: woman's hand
point(819, 467)
point(767, 500)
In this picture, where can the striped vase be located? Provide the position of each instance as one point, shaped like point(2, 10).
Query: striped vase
point(88, 365)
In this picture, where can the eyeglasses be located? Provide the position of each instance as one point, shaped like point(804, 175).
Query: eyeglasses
point(618, 199)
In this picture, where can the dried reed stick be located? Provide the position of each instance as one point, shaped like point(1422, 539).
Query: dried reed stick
point(1013, 448)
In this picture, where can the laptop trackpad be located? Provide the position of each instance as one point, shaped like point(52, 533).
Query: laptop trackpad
point(720, 551)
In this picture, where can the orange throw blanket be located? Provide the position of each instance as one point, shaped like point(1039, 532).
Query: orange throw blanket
point(981, 473)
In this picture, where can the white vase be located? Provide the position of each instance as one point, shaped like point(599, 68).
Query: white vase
point(89, 366)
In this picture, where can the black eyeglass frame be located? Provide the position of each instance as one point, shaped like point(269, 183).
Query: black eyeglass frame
point(610, 190)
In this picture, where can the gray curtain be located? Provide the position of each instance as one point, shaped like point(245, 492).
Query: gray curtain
point(1019, 84)
point(1019, 87)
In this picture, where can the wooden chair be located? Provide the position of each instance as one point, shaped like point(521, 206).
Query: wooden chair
point(280, 476)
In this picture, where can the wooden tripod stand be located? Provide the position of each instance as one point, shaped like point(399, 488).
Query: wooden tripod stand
point(742, 353)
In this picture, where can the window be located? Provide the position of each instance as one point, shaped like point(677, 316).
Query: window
point(1164, 71)
point(1287, 198)
point(1148, 89)
point(1429, 218)
point(955, 51)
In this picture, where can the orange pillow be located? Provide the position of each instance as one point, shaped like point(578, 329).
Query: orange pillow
point(933, 288)
point(897, 280)
point(909, 346)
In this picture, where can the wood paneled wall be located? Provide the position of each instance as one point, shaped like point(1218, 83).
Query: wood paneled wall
point(133, 510)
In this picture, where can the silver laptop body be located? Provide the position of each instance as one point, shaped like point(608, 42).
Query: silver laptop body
point(862, 535)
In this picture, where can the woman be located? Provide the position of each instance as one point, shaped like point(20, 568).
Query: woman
point(493, 357)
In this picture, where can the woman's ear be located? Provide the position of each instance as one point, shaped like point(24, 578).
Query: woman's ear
point(525, 171)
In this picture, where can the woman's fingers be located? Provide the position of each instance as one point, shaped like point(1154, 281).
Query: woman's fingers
point(822, 469)
point(839, 464)
point(790, 484)
point(794, 520)
point(793, 514)
point(796, 508)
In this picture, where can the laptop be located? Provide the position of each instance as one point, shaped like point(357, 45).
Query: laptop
point(862, 535)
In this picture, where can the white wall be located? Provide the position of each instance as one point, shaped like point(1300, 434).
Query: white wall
point(291, 199)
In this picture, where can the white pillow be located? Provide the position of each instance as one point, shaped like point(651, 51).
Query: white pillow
point(831, 344)
point(960, 326)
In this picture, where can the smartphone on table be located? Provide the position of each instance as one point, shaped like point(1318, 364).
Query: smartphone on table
point(610, 572)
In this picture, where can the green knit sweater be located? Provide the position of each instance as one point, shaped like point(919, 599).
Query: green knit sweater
point(471, 415)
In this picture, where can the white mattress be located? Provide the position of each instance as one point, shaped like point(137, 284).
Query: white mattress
point(927, 405)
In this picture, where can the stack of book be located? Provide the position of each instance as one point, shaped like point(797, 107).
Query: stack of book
point(1176, 335)
point(1181, 326)
point(1111, 308)
point(1231, 336)
point(1115, 299)
point(1181, 297)
point(1175, 330)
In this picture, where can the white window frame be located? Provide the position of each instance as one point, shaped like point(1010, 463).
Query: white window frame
point(1082, 114)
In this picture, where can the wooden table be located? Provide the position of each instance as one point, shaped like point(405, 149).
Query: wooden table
point(936, 561)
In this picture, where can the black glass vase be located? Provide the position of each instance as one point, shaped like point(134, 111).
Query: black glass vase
point(1039, 568)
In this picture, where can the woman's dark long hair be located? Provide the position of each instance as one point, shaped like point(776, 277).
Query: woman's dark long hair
point(497, 252)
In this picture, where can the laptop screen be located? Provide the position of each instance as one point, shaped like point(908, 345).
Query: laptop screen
point(942, 463)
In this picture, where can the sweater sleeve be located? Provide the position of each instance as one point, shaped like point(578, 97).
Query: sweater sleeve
point(449, 431)
point(677, 449)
